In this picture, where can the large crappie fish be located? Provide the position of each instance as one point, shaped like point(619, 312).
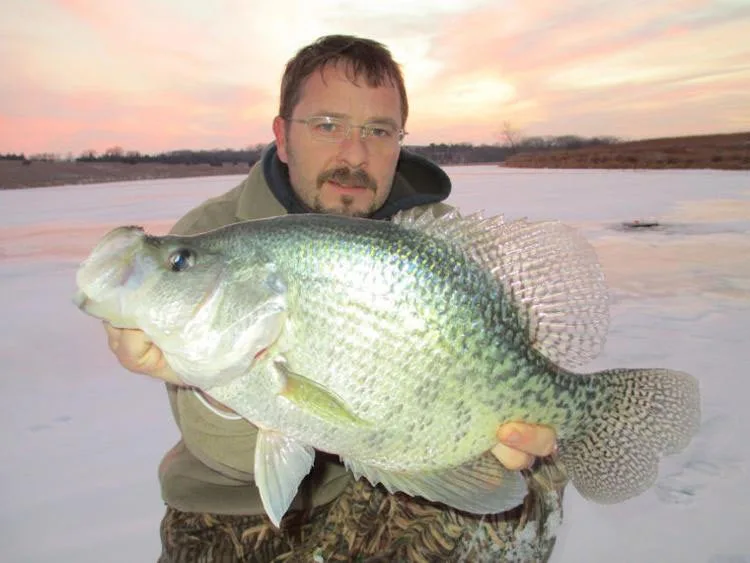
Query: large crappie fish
point(399, 346)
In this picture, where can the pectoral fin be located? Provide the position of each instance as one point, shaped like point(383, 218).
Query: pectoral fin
point(280, 465)
point(312, 397)
point(482, 486)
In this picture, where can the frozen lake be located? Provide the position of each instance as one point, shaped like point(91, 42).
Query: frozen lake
point(82, 438)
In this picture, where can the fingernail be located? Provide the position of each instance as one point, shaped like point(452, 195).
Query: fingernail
point(512, 438)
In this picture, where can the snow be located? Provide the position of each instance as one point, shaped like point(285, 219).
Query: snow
point(82, 438)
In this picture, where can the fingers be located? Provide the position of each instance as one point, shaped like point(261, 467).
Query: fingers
point(532, 439)
point(136, 353)
point(125, 342)
point(113, 336)
point(520, 444)
point(132, 348)
point(515, 460)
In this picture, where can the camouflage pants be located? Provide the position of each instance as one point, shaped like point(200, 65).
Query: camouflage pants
point(367, 524)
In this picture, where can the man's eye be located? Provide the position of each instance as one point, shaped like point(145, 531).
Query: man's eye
point(180, 260)
point(378, 131)
point(328, 126)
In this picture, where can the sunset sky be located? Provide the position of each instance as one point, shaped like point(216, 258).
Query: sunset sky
point(157, 75)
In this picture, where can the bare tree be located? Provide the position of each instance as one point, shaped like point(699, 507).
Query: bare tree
point(511, 136)
point(114, 153)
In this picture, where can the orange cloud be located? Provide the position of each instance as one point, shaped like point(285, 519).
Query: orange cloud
point(594, 68)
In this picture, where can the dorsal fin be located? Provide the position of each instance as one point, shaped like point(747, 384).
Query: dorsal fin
point(548, 269)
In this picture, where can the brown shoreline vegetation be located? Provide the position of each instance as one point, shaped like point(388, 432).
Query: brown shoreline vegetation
point(15, 174)
point(721, 152)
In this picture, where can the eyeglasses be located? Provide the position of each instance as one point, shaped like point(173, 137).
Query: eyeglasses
point(336, 129)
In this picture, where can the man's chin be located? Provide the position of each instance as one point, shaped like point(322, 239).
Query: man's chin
point(354, 206)
point(349, 211)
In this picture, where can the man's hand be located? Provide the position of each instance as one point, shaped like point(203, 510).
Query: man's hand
point(137, 353)
point(520, 444)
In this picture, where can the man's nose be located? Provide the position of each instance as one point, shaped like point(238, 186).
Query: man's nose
point(353, 148)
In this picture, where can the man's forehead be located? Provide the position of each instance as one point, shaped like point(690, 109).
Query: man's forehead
point(335, 89)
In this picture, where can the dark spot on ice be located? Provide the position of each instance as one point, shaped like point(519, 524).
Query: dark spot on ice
point(700, 466)
point(57, 420)
point(652, 225)
point(730, 558)
point(640, 224)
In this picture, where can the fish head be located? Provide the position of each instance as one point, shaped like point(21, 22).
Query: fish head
point(207, 312)
point(129, 272)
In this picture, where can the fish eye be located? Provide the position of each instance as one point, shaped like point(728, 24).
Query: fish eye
point(181, 259)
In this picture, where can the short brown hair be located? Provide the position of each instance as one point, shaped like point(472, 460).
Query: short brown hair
point(364, 57)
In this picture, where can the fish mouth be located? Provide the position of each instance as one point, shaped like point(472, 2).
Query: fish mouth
point(101, 311)
point(101, 277)
point(81, 300)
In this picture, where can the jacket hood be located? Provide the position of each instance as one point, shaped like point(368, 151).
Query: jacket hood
point(418, 181)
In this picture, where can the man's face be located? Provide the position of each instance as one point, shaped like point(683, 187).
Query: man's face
point(352, 176)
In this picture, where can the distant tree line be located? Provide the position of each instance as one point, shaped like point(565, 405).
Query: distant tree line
point(466, 153)
point(13, 156)
point(213, 157)
point(443, 153)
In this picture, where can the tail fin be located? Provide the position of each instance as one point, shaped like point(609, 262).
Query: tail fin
point(647, 413)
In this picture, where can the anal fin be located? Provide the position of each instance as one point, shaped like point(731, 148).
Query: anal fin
point(482, 486)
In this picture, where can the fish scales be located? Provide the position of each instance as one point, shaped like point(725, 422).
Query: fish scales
point(339, 280)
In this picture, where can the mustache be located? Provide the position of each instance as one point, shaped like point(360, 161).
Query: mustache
point(347, 177)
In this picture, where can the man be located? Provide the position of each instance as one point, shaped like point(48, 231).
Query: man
point(337, 150)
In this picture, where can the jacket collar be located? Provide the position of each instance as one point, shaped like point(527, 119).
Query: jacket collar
point(417, 181)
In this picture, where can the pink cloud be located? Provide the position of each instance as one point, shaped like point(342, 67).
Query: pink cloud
point(544, 34)
point(43, 121)
point(146, 78)
point(530, 45)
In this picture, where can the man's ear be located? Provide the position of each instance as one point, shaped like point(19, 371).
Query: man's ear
point(279, 133)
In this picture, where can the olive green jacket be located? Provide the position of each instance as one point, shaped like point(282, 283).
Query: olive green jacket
point(211, 468)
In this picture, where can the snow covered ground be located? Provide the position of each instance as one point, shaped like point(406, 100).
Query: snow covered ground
point(82, 438)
